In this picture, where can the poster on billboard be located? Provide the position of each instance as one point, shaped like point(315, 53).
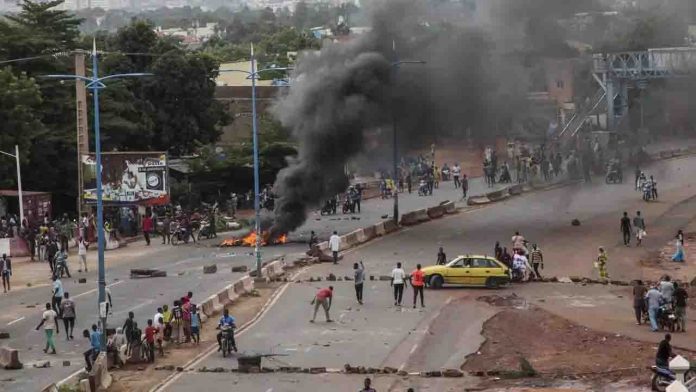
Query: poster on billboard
point(128, 178)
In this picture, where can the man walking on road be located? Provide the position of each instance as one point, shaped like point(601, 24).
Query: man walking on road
point(57, 294)
point(537, 259)
point(639, 226)
point(323, 298)
point(82, 246)
point(626, 229)
point(680, 296)
point(398, 279)
point(147, 228)
point(359, 271)
point(335, 245)
point(418, 283)
point(639, 292)
point(654, 298)
point(48, 320)
point(465, 186)
point(67, 311)
point(456, 173)
point(441, 257)
point(6, 272)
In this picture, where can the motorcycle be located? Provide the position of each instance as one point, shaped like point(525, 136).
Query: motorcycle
point(423, 189)
point(348, 205)
point(328, 208)
point(647, 191)
point(667, 319)
point(662, 378)
point(180, 235)
point(206, 231)
point(614, 175)
point(226, 341)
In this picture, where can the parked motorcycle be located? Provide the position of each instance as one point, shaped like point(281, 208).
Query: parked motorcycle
point(180, 235)
point(663, 377)
point(667, 318)
point(206, 231)
point(614, 174)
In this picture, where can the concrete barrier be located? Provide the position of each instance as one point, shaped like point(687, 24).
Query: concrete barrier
point(223, 298)
point(351, 239)
point(449, 207)
point(231, 294)
point(390, 226)
point(248, 283)
point(422, 215)
point(435, 212)
point(380, 230)
point(323, 245)
point(665, 154)
point(99, 377)
point(498, 195)
point(208, 307)
point(360, 236)
point(344, 242)
point(515, 190)
point(9, 358)
point(409, 218)
point(477, 200)
point(369, 233)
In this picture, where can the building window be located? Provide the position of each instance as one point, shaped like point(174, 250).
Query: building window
point(560, 84)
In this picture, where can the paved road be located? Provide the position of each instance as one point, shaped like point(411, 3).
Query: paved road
point(22, 307)
point(442, 334)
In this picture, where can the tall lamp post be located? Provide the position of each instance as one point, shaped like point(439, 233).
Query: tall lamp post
point(95, 83)
point(253, 74)
point(395, 66)
point(19, 183)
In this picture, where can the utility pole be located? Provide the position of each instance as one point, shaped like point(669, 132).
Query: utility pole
point(82, 130)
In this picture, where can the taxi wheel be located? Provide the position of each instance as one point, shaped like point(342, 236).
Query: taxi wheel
point(493, 283)
point(436, 282)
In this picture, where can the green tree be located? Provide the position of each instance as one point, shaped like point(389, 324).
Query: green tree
point(20, 99)
point(39, 29)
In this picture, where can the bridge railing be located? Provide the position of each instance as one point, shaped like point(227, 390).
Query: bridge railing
point(650, 64)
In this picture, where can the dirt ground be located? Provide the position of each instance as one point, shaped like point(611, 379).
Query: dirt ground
point(524, 343)
point(142, 377)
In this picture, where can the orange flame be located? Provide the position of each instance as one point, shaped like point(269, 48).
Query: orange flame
point(250, 240)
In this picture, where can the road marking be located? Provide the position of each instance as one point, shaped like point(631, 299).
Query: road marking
point(414, 348)
point(93, 290)
point(244, 328)
point(16, 321)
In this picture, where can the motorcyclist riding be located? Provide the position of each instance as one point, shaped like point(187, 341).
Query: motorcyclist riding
point(226, 325)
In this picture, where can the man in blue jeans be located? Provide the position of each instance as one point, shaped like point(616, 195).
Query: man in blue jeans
point(95, 346)
point(654, 298)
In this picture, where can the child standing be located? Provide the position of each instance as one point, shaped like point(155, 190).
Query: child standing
point(195, 324)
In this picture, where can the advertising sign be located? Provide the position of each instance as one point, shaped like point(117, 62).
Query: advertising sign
point(128, 178)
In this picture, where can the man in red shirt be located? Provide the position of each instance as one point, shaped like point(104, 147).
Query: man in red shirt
point(147, 227)
point(150, 333)
point(323, 298)
point(418, 283)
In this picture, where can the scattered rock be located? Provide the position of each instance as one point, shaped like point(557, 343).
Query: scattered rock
point(240, 268)
point(82, 280)
point(402, 373)
point(210, 269)
point(575, 222)
point(331, 278)
point(42, 364)
point(311, 279)
point(384, 277)
point(372, 277)
point(4, 335)
point(317, 370)
point(432, 373)
point(576, 279)
point(389, 370)
point(347, 278)
point(452, 373)
point(564, 279)
point(66, 363)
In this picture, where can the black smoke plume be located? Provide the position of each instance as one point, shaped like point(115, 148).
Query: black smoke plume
point(473, 83)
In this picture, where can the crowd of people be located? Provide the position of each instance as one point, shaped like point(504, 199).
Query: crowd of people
point(662, 305)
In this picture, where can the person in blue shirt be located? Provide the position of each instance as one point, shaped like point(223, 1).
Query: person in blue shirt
point(226, 321)
point(95, 346)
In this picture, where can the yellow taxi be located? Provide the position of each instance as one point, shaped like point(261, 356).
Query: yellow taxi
point(468, 270)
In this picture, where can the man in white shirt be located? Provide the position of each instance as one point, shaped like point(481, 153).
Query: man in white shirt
point(398, 280)
point(156, 320)
point(48, 320)
point(82, 253)
point(517, 242)
point(335, 245)
point(456, 173)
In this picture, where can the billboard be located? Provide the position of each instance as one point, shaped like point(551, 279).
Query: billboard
point(128, 178)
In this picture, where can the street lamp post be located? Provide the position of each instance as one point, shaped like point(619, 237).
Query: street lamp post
point(253, 74)
point(19, 183)
point(395, 148)
point(95, 83)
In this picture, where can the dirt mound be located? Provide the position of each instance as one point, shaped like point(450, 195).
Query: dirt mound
point(551, 346)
